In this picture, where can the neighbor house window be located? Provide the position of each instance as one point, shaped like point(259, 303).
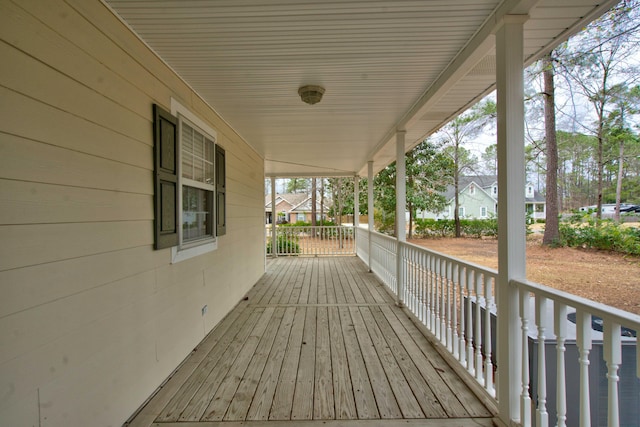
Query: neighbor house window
point(472, 189)
point(301, 217)
point(483, 212)
point(461, 211)
point(190, 193)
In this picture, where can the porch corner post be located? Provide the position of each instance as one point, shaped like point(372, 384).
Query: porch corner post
point(370, 208)
point(401, 204)
point(274, 242)
point(511, 212)
point(356, 209)
point(356, 201)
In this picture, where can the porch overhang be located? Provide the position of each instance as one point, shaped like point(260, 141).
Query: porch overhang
point(385, 65)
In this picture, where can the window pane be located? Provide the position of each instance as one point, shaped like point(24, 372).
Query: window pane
point(197, 155)
point(197, 220)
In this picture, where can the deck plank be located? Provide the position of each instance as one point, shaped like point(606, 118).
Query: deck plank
point(209, 386)
point(323, 405)
point(283, 398)
point(385, 399)
point(263, 397)
point(305, 379)
point(427, 400)
point(195, 382)
point(362, 391)
point(317, 340)
point(345, 405)
point(404, 395)
point(222, 398)
point(239, 405)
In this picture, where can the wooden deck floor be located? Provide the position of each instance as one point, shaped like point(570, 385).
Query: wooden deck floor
point(315, 339)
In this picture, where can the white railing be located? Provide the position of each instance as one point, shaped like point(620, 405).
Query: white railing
point(603, 360)
point(312, 240)
point(456, 301)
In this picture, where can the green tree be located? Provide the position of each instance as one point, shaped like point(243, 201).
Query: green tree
point(458, 132)
point(618, 132)
point(428, 172)
point(594, 62)
point(297, 185)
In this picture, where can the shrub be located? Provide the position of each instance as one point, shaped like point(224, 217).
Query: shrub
point(446, 227)
point(582, 230)
point(286, 243)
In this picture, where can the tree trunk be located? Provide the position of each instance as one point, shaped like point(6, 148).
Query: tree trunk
point(619, 183)
point(551, 229)
point(600, 174)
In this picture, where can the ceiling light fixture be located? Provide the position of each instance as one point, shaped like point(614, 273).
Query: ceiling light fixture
point(311, 94)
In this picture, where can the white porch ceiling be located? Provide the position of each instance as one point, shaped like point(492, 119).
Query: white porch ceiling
point(385, 65)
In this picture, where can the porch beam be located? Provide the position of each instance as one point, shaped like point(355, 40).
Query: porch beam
point(401, 203)
point(511, 211)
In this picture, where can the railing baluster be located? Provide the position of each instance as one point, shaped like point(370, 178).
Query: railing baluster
point(584, 341)
point(449, 282)
point(454, 287)
point(443, 301)
point(437, 300)
point(432, 294)
point(542, 417)
point(477, 337)
point(462, 355)
point(470, 339)
point(613, 358)
point(560, 325)
point(525, 396)
point(488, 364)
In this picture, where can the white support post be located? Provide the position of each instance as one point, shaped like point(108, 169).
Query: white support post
point(274, 219)
point(401, 203)
point(356, 201)
point(370, 208)
point(511, 212)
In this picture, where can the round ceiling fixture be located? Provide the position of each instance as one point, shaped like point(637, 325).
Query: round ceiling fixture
point(311, 94)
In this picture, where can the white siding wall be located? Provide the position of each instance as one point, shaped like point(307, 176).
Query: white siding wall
point(92, 319)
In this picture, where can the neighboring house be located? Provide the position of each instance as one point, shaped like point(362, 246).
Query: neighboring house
point(478, 198)
point(294, 206)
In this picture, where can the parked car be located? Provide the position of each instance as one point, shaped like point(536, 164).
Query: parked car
point(632, 208)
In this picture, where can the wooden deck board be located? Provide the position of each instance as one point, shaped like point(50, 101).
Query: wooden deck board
point(316, 340)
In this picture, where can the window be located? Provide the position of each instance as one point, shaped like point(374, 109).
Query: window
point(197, 153)
point(495, 190)
point(301, 217)
point(190, 186)
point(483, 212)
point(472, 189)
point(461, 212)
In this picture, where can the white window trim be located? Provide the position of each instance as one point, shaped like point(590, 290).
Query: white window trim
point(192, 249)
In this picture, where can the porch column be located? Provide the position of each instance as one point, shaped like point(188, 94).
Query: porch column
point(370, 208)
point(401, 203)
point(274, 216)
point(511, 212)
point(356, 201)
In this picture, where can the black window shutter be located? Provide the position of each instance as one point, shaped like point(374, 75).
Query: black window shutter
point(165, 200)
point(221, 192)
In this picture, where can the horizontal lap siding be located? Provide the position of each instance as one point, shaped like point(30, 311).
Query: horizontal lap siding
point(92, 319)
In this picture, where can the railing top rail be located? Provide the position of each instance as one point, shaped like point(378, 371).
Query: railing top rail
point(285, 226)
point(486, 270)
point(595, 308)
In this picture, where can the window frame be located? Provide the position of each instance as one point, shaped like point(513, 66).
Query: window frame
point(186, 250)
